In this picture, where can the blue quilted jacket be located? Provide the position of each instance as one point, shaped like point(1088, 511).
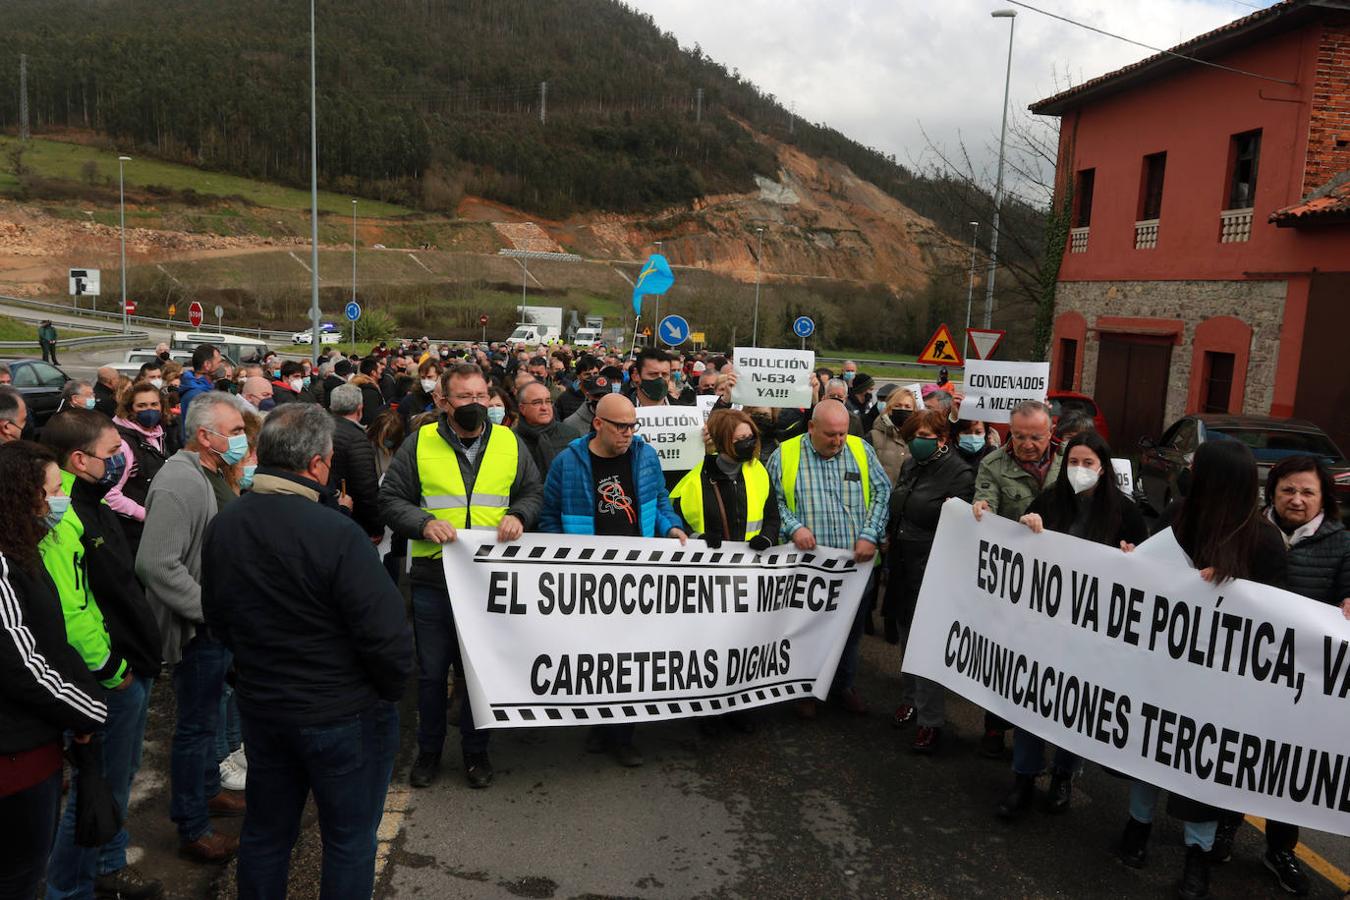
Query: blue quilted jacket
point(569, 493)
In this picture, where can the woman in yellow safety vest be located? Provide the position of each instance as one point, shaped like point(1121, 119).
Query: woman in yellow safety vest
point(727, 497)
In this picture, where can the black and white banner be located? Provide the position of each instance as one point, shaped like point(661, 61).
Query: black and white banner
point(1235, 695)
point(568, 630)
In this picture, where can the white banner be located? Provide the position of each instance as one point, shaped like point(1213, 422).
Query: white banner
point(992, 389)
point(1235, 696)
point(569, 630)
point(916, 390)
point(705, 404)
point(675, 433)
point(1124, 471)
point(779, 378)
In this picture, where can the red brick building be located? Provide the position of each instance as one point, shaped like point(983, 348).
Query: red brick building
point(1208, 267)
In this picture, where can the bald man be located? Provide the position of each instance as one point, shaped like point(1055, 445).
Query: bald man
point(610, 482)
point(105, 391)
point(257, 392)
point(838, 496)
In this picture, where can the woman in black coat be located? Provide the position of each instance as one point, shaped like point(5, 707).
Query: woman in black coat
point(45, 687)
point(932, 475)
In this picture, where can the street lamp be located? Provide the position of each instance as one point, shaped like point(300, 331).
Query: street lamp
point(314, 313)
point(970, 290)
point(122, 204)
point(353, 272)
point(759, 256)
point(1011, 16)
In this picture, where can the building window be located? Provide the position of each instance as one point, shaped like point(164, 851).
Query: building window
point(1218, 381)
point(1244, 156)
point(1082, 214)
point(1068, 362)
point(1151, 186)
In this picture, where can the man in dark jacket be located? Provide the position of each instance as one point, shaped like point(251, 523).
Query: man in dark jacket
point(341, 374)
point(372, 391)
point(287, 388)
point(322, 650)
point(457, 472)
point(572, 399)
point(540, 430)
point(353, 471)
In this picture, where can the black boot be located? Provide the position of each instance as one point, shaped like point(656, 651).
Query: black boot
point(1061, 790)
point(1222, 849)
point(1134, 842)
point(1019, 798)
point(1195, 877)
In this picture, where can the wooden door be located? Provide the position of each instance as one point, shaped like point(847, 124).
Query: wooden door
point(1132, 376)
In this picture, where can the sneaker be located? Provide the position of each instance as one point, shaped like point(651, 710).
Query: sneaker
point(1221, 851)
point(1195, 877)
point(478, 769)
point(1018, 799)
point(1286, 867)
point(232, 778)
point(991, 745)
point(1061, 791)
point(425, 769)
point(240, 759)
point(628, 755)
point(926, 739)
point(904, 714)
point(127, 883)
point(1134, 843)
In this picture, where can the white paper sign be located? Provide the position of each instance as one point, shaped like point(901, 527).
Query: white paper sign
point(581, 630)
point(917, 390)
point(1133, 660)
point(705, 403)
point(675, 433)
point(1124, 470)
point(780, 378)
point(992, 389)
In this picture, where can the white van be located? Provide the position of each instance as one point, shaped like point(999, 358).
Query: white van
point(232, 347)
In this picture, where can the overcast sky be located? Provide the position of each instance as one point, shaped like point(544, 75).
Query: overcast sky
point(885, 72)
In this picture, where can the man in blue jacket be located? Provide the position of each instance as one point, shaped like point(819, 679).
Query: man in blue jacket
point(610, 482)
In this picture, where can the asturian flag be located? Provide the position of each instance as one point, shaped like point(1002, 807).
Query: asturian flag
point(655, 278)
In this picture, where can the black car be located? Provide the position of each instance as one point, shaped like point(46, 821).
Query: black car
point(40, 383)
point(1269, 439)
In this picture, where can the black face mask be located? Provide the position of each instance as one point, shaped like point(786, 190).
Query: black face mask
point(744, 449)
point(899, 416)
point(653, 388)
point(470, 417)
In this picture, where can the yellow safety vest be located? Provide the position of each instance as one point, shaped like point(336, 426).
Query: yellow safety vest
point(790, 458)
point(690, 494)
point(443, 492)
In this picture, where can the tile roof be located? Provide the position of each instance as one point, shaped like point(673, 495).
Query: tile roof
point(1329, 203)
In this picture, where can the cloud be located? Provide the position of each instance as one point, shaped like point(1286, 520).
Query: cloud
point(888, 72)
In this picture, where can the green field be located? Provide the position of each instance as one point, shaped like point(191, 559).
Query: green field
point(69, 162)
point(14, 330)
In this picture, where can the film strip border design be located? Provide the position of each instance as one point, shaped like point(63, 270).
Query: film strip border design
point(612, 556)
point(608, 711)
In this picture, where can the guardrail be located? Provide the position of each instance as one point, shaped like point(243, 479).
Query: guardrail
point(130, 338)
point(112, 316)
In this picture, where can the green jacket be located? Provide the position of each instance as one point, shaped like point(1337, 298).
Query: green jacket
point(63, 555)
point(1006, 486)
point(47, 334)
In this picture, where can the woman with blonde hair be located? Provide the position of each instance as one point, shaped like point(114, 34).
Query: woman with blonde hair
point(886, 440)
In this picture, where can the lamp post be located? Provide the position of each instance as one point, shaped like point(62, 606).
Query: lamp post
point(314, 313)
point(759, 256)
point(656, 322)
point(1011, 16)
point(122, 207)
point(970, 290)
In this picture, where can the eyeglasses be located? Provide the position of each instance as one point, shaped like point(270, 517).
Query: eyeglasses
point(622, 426)
point(543, 401)
point(1029, 438)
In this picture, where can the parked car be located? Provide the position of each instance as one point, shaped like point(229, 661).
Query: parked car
point(1072, 401)
point(1270, 440)
point(131, 365)
point(328, 334)
point(40, 383)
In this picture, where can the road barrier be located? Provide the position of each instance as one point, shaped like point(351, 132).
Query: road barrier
point(115, 316)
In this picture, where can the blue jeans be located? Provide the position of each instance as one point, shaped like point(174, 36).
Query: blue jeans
point(27, 826)
point(851, 658)
point(1029, 756)
point(437, 649)
point(72, 867)
point(228, 733)
point(194, 774)
point(347, 765)
point(1144, 796)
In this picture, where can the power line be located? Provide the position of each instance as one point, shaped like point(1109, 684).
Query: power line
point(1162, 50)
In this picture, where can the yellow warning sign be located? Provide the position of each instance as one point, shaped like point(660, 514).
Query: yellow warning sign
point(941, 350)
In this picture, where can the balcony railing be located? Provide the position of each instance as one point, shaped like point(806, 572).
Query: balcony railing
point(1078, 238)
point(1235, 226)
point(1146, 234)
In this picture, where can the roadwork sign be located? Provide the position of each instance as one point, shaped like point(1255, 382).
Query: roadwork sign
point(941, 350)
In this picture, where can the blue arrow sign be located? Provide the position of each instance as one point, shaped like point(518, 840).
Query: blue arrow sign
point(803, 327)
point(353, 311)
point(674, 330)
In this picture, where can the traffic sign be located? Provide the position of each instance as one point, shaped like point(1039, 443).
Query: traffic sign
point(674, 330)
point(483, 320)
point(131, 307)
point(173, 310)
point(804, 327)
point(219, 311)
point(353, 311)
point(984, 341)
point(941, 349)
point(83, 282)
point(195, 314)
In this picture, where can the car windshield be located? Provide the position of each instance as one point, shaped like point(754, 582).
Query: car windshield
point(1270, 445)
point(1060, 405)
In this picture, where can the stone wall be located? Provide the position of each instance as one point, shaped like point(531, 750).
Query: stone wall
point(1258, 303)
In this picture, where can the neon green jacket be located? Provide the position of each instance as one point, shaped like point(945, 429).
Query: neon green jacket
point(63, 555)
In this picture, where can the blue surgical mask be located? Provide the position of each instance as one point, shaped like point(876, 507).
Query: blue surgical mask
point(267, 404)
point(971, 443)
point(246, 480)
point(497, 414)
point(305, 381)
point(113, 467)
point(848, 376)
point(56, 508)
point(89, 403)
point(237, 449)
point(148, 418)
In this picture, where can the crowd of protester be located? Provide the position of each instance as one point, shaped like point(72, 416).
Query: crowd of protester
point(124, 520)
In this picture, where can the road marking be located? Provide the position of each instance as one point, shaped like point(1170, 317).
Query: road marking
point(299, 260)
point(1314, 860)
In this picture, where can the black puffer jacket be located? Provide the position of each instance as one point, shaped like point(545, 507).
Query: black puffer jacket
point(1319, 565)
point(354, 469)
point(916, 506)
point(544, 443)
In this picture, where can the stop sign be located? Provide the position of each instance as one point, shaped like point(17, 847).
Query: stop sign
point(483, 319)
point(195, 314)
point(131, 307)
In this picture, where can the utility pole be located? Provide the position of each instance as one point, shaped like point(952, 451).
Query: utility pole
point(24, 133)
point(970, 290)
point(353, 272)
point(543, 102)
point(759, 262)
point(122, 207)
point(1011, 16)
point(792, 118)
point(314, 313)
point(698, 105)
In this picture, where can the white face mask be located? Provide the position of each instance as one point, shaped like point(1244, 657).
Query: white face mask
point(157, 382)
point(297, 384)
point(428, 385)
point(1081, 478)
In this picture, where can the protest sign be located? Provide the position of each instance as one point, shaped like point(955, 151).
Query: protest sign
point(675, 433)
point(917, 390)
point(705, 404)
point(992, 389)
point(779, 378)
point(580, 630)
point(1124, 471)
point(1133, 660)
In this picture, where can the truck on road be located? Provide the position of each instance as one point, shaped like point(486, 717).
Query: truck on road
point(538, 325)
